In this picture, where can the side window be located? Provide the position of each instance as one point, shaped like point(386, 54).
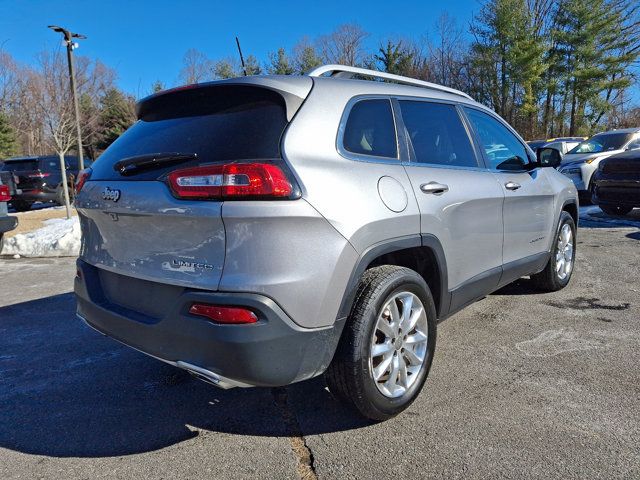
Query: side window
point(437, 134)
point(503, 149)
point(72, 163)
point(50, 165)
point(370, 129)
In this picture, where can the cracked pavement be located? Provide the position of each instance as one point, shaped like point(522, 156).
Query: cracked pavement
point(523, 385)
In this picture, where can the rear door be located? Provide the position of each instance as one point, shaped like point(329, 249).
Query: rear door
point(460, 201)
point(529, 196)
point(133, 225)
point(26, 173)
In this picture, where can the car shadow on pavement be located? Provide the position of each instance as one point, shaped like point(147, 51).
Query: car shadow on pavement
point(67, 391)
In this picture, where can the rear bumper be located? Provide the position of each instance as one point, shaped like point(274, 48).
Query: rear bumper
point(7, 223)
point(273, 352)
point(35, 196)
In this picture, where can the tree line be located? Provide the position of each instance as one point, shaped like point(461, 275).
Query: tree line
point(549, 67)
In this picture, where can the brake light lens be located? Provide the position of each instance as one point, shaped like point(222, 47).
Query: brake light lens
point(236, 180)
point(83, 176)
point(39, 175)
point(5, 196)
point(224, 315)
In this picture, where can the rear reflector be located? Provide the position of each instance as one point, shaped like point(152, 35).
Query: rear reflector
point(83, 176)
point(5, 196)
point(236, 180)
point(226, 315)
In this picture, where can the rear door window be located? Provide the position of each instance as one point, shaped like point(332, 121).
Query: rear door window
point(370, 129)
point(437, 134)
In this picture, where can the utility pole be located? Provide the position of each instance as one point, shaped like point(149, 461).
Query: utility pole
point(70, 44)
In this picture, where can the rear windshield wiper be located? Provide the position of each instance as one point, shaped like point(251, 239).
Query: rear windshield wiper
point(150, 161)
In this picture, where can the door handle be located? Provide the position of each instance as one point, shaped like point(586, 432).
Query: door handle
point(434, 188)
point(512, 186)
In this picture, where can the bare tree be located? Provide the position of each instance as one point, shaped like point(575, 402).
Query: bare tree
point(196, 67)
point(345, 45)
point(53, 104)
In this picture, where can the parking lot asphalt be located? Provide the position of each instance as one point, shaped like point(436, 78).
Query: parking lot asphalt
point(523, 385)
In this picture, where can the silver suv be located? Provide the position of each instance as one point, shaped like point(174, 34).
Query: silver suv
point(265, 230)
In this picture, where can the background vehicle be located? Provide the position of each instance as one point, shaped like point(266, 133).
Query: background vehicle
point(563, 144)
point(39, 179)
point(580, 163)
point(616, 183)
point(7, 222)
point(301, 225)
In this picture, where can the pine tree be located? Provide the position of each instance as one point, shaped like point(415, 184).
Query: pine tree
point(226, 69)
point(280, 63)
point(251, 65)
point(305, 58)
point(116, 115)
point(8, 141)
point(597, 45)
point(394, 58)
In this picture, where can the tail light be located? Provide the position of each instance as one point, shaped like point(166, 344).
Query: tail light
point(231, 181)
point(39, 175)
point(224, 315)
point(83, 176)
point(5, 196)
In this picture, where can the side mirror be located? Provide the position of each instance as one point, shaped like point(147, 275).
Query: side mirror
point(549, 157)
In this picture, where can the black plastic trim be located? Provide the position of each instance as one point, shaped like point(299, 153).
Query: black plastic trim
point(272, 352)
point(394, 245)
point(8, 223)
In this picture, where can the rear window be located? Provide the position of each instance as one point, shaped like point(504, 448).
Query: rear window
point(370, 129)
point(218, 124)
point(20, 165)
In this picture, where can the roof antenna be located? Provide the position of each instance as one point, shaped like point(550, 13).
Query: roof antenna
point(244, 69)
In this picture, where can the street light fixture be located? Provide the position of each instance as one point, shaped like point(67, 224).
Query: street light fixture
point(70, 44)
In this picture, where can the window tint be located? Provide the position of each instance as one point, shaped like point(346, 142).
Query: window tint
point(370, 129)
point(20, 165)
point(222, 123)
point(503, 149)
point(437, 134)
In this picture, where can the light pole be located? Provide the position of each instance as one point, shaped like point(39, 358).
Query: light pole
point(68, 40)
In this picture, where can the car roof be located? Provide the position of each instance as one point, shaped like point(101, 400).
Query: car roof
point(368, 87)
point(621, 130)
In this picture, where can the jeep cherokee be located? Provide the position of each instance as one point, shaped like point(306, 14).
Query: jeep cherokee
point(264, 230)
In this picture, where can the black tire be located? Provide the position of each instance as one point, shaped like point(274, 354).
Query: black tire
point(549, 280)
point(350, 376)
point(60, 195)
point(21, 205)
point(1, 242)
point(616, 210)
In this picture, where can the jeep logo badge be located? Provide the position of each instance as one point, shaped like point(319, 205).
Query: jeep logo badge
point(113, 195)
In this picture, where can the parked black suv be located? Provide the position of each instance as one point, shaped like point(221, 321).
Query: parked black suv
point(7, 222)
point(39, 179)
point(616, 183)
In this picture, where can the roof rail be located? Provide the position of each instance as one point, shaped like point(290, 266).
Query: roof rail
point(344, 71)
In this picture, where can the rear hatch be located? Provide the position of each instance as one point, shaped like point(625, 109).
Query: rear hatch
point(26, 173)
point(132, 222)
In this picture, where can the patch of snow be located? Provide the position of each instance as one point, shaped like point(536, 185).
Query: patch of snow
point(58, 238)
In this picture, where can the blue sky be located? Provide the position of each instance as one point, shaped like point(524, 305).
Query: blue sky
point(145, 40)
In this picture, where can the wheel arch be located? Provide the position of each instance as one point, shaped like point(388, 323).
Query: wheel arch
point(421, 253)
point(571, 207)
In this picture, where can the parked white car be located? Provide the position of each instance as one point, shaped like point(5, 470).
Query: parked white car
point(582, 161)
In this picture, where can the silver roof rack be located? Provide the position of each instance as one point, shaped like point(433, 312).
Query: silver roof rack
point(343, 71)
